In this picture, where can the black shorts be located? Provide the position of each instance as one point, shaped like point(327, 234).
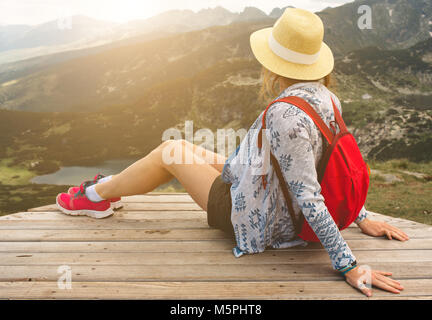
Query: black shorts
point(219, 207)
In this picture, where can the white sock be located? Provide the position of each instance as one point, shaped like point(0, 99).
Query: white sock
point(106, 179)
point(92, 195)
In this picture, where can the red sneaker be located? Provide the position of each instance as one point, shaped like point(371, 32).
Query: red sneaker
point(79, 205)
point(115, 202)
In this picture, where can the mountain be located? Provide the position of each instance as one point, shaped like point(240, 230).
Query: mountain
point(56, 32)
point(9, 34)
point(182, 20)
point(395, 24)
point(386, 98)
point(80, 32)
point(120, 75)
point(252, 13)
point(277, 12)
point(19, 69)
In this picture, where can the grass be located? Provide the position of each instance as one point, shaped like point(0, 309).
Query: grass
point(410, 198)
point(402, 165)
point(18, 198)
point(14, 175)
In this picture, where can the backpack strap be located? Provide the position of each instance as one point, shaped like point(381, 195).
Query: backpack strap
point(310, 111)
point(288, 200)
point(338, 118)
point(326, 132)
point(307, 108)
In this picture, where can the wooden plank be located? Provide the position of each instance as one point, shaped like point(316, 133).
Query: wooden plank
point(30, 220)
point(195, 246)
point(202, 290)
point(44, 212)
point(159, 246)
point(138, 206)
point(111, 235)
point(157, 234)
point(186, 258)
point(151, 198)
point(103, 224)
point(118, 215)
point(204, 272)
point(156, 197)
point(133, 203)
point(122, 246)
point(154, 219)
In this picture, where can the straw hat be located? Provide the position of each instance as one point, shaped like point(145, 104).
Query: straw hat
point(294, 47)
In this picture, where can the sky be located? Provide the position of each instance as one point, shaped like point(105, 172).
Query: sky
point(34, 12)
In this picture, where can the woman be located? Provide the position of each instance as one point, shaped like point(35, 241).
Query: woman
point(294, 57)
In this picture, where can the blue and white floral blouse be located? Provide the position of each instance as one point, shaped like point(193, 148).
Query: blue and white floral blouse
point(259, 216)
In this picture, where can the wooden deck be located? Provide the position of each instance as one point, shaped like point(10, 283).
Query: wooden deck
point(160, 247)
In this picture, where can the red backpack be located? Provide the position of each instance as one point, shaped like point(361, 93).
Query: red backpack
point(342, 172)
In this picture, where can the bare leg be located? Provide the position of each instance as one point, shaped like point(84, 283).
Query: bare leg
point(151, 171)
point(216, 160)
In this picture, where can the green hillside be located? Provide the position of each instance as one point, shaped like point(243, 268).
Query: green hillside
point(388, 109)
point(396, 24)
point(387, 100)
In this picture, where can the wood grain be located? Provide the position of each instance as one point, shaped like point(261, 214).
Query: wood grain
point(159, 246)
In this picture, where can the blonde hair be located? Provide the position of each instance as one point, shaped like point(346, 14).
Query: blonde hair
point(271, 79)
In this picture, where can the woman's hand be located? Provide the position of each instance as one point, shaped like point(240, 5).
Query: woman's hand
point(363, 278)
point(378, 229)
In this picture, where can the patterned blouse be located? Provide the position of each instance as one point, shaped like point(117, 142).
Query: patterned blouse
point(259, 215)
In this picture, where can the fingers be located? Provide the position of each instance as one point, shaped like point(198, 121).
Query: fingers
point(385, 286)
point(396, 233)
point(399, 232)
point(380, 279)
point(402, 236)
point(399, 237)
point(388, 234)
point(384, 273)
point(366, 291)
point(389, 281)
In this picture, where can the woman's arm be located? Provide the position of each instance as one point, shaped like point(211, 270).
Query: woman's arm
point(291, 140)
point(362, 215)
point(292, 136)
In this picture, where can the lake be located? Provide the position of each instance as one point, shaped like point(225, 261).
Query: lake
point(76, 175)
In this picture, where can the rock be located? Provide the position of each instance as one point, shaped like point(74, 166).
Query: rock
point(388, 177)
point(415, 174)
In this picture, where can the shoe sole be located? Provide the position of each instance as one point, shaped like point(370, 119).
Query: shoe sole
point(89, 213)
point(114, 205)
